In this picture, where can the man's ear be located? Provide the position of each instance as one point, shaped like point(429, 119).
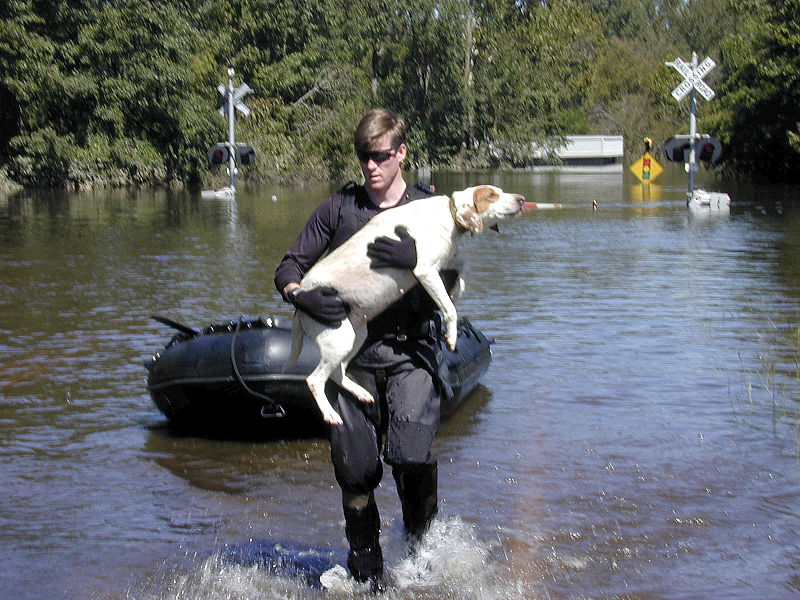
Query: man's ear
point(402, 152)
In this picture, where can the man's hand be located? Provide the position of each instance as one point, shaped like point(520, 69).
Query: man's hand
point(321, 304)
point(388, 252)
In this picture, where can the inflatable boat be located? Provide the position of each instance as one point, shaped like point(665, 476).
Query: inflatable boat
point(228, 377)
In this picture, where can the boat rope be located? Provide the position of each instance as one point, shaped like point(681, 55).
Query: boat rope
point(270, 409)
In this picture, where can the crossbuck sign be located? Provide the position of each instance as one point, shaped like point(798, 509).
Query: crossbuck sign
point(693, 78)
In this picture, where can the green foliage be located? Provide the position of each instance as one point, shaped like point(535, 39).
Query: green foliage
point(121, 92)
point(106, 92)
point(761, 95)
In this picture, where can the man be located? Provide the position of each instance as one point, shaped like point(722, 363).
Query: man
point(397, 363)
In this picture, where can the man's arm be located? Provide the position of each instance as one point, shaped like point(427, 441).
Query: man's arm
point(309, 246)
point(322, 304)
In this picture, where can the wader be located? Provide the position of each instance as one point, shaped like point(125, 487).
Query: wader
point(397, 366)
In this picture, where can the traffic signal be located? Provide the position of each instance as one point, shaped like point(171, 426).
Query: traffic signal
point(646, 168)
point(245, 155)
point(218, 154)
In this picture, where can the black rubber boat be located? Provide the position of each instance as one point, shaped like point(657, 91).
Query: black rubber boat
point(228, 376)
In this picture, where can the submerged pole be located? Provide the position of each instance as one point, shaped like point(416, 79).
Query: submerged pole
point(231, 135)
point(693, 131)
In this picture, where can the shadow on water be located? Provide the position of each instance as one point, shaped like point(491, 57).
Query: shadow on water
point(227, 459)
point(298, 425)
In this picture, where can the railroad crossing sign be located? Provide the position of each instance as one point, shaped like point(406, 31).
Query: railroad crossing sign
point(693, 78)
point(692, 85)
point(236, 98)
point(230, 151)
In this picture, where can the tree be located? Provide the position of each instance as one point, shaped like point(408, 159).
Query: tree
point(108, 92)
point(761, 96)
point(533, 69)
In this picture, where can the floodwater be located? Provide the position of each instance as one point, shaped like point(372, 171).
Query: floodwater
point(636, 435)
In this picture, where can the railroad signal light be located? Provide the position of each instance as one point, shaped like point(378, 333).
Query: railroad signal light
point(245, 155)
point(676, 149)
point(218, 154)
point(710, 150)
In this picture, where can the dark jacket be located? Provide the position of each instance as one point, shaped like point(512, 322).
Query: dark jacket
point(331, 224)
point(412, 321)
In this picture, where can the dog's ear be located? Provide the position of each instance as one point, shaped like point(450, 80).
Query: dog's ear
point(483, 197)
point(469, 218)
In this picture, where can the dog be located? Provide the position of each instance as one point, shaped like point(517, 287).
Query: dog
point(436, 224)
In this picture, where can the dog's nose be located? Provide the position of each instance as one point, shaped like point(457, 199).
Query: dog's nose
point(520, 199)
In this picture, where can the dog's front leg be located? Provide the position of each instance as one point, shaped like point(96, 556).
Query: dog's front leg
point(433, 284)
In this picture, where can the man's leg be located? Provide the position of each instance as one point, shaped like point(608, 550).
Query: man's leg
point(414, 414)
point(357, 466)
point(362, 528)
point(417, 487)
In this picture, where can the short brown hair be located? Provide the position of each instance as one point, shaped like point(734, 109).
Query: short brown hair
point(377, 123)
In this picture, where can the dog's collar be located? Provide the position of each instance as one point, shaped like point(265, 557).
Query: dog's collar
point(453, 211)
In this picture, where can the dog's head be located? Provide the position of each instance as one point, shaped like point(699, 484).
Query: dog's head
point(482, 206)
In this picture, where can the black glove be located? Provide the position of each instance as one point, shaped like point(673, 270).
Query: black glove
point(321, 304)
point(389, 252)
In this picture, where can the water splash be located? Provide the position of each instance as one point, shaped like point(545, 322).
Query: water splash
point(449, 563)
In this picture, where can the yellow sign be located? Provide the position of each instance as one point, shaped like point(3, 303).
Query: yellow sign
point(647, 168)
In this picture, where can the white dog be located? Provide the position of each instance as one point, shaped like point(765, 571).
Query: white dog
point(436, 224)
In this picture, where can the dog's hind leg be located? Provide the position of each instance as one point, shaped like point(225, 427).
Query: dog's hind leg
point(336, 348)
point(340, 375)
point(316, 383)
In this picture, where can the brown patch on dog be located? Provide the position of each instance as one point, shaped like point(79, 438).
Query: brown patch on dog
point(483, 197)
point(468, 218)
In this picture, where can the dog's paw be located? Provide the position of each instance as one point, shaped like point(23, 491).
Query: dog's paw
point(452, 342)
point(365, 397)
point(451, 337)
point(331, 417)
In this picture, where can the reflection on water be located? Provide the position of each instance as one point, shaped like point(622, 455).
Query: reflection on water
point(635, 435)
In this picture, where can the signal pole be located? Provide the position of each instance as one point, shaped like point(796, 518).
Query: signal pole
point(693, 84)
point(231, 132)
point(228, 151)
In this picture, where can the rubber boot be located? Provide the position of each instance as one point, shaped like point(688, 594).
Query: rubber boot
point(417, 486)
point(362, 528)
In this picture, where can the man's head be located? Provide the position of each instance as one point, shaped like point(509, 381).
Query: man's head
point(379, 142)
point(376, 124)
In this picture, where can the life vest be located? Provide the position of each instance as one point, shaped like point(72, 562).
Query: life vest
point(357, 209)
point(408, 317)
point(413, 318)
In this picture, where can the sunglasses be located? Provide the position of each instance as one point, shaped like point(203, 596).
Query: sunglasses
point(378, 156)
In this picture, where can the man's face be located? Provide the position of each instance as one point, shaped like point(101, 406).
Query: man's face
point(381, 166)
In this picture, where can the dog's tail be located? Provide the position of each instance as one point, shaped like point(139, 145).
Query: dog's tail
point(297, 343)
